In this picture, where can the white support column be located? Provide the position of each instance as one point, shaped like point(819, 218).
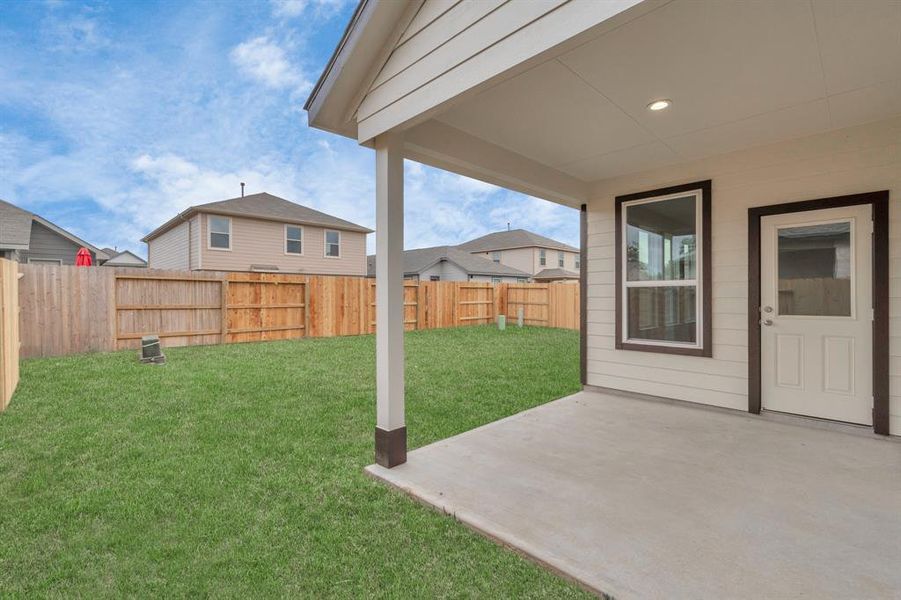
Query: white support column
point(390, 432)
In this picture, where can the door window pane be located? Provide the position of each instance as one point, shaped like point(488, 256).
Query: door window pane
point(815, 270)
point(662, 313)
point(661, 239)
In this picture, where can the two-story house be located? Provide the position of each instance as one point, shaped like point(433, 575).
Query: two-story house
point(258, 232)
point(541, 257)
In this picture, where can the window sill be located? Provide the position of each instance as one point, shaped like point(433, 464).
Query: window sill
point(633, 346)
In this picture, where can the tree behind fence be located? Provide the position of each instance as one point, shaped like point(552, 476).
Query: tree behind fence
point(65, 310)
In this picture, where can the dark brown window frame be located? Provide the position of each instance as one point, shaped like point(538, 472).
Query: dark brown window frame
point(706, 332)
point(880, 207)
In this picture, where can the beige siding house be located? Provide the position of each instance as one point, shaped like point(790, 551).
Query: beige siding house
point(542, 257)
point(259, 232)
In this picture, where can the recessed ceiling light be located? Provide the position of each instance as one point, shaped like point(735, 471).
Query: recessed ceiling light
point(659, 104)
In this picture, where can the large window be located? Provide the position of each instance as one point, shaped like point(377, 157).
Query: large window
point(663, 300)
point(332, 244)
point(293, 239)
point(220, 233)
point(496, 257)
point(542, 257)
point(561, 259)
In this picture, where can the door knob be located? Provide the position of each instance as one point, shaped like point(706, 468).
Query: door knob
point(767, 322)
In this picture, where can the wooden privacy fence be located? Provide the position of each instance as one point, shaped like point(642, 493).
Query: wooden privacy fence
point(9, 330)
point(68, 309)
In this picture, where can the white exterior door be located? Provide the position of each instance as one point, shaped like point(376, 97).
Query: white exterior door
point(816, 316)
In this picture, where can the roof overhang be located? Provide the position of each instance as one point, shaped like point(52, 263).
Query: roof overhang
point(363, 48)
point(557, 115)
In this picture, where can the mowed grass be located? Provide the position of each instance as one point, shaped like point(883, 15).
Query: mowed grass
point(237, 470)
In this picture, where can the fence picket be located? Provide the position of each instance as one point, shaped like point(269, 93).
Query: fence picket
point(67, 309)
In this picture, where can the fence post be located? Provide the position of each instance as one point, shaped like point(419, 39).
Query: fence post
point(306, 307)
point(223, 303)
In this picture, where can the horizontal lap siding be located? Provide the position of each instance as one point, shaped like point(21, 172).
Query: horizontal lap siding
point(860, 159)
point(257, 242)
point(169, 250)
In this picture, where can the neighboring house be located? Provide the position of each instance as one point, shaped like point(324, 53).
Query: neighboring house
point(526, 251)
point(700, 154)
point(448, 263)
point(28, 238)
point(259, 232)
point(126, 258)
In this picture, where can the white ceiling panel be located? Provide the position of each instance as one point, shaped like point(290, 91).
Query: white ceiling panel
point(547, 114)
point(860, 41)
point(740, 73)
point(768, 128)
point(718, 61)
point(866, 104)
point(628, 160)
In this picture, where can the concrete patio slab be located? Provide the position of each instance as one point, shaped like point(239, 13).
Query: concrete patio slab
point(643, 499)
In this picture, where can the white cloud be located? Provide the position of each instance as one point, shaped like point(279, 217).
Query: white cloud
point(294, 8)
point(114, 153)
point(265, 61)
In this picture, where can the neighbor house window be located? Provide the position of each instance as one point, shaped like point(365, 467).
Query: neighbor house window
point(495, 280)
point(663, 282)
point(578, 262)
point(333, 244)
point(220, 232)
point(434, 277)
point(293, 239)
point(542, 257)
point(561, 258)
point(496, 257)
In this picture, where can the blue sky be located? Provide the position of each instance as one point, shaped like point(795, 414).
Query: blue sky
point(114, 116)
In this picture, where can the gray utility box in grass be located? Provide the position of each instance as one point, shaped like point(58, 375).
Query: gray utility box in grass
point(151, 351)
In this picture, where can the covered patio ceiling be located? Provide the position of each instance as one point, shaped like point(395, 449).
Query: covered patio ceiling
point(739, 74)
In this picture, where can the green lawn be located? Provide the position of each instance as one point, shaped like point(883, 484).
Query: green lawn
point(237, 470)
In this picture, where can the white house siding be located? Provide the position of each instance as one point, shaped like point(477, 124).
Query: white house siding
point(446, 270)
point(859, 159)
point(258, 242)
point(195, 242)
point(466, 44)
point(169, 250)
point(518, 258)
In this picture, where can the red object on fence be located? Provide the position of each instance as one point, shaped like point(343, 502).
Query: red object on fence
point(83, 258)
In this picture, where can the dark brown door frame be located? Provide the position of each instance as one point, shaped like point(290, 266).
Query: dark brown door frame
point(879, 203)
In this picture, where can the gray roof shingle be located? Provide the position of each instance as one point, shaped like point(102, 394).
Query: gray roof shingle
point(515, 238)
point(262, 206)
point(15, 226)
point(555, 274)
point(420, 259)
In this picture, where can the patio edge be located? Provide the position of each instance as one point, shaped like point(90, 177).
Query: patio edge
point(484, 528)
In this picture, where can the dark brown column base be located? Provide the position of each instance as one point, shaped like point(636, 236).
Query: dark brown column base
point(390, 447)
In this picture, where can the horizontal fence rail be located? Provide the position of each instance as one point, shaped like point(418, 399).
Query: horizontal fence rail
point(66, 310)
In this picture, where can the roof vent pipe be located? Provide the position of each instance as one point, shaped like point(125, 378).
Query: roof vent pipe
point(242, 189)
